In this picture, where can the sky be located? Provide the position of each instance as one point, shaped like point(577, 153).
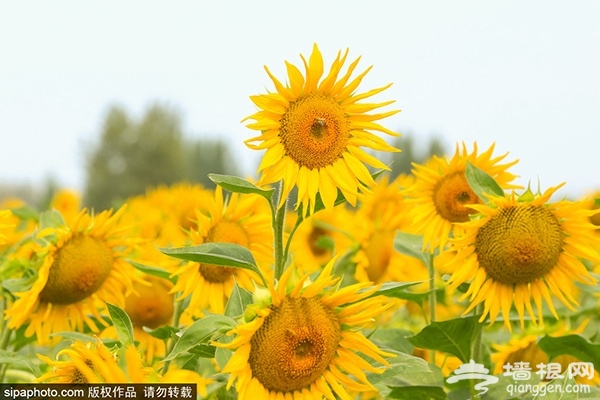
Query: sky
point(522, 75)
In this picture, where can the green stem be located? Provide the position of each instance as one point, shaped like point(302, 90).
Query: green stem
point(432, 297)
point(176, 317)
point(4, 339)
point(286, 252)
point(278, 225)
point(477, 345)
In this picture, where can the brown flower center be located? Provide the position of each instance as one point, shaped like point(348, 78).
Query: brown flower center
point(80, 268)
point(314, 131)
point(519, 244)
point(150, 306)
point(294, 345)
point(451, 194)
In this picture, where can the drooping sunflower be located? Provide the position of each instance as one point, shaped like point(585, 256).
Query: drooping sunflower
point(244, 220)
point(79, 267)
point(523, 249)
point(305, 343)
point(93, 362)
point(313, 130)
point(441, 193)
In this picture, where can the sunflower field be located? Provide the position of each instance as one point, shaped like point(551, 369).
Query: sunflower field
point(451, 282)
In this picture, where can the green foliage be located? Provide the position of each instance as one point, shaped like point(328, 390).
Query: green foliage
point(132, 156)
point(239, 185)
point(200, 333)
point(221, 254)
point(401, 163)
point(482, 183)
point(453, 336)
point(122, 324)
point(574, 345)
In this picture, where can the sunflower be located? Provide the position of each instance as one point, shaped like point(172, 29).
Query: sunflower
point(441, 193)
point(81, 266)
point(320, 235)
point(305, 343)
point(5, 224)
point(244, 220)
point(148, 306)
point(521, 249)
point(93, 362)
point(312, 130)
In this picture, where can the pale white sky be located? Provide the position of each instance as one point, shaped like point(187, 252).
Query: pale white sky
point(523, 74)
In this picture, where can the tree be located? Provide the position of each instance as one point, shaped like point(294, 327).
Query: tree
point(132, 156)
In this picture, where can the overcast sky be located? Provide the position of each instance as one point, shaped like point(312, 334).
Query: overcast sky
point(523, 74)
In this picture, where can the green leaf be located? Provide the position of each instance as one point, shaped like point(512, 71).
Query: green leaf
point(482, 183)
point(453, 336)
point(163, 333)
point(122, 324)
point(574, 345)
point(221, 254)
point(238, 185)
point(26, 213)
point(203, 350)
point(201, 331)
point(19, 361)
point(154, 271)
point(597, 202)
point(409, 377)
point(237, 302)
point(51, 219)
point(411, 245)
point(393, 338)
point(75, 336)
point(398, 290)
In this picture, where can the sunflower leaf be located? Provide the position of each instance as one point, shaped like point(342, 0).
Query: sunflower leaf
point(154, 271)
point(216, 253)
point(122, 324)
point(163, 333)
point(453, 336)
point(409, 377)
point(19, 360)
point(482, 183)
point(238, 185)
point(597, 202)
point(574, 345)
point(410, 245)
point(201, 332)
point(51, 219)
point(237, 302)
point(399, 290)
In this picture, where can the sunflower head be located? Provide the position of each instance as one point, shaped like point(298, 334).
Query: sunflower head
point(313, 129)
point(305, 341)
point(81, 265)
point(521, 249)
point(442, 195)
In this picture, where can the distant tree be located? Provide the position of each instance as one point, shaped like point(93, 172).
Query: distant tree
point(401, 163)
point(133, 156)
point(207, 156)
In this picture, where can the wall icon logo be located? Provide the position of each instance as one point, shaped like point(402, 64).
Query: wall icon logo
point(473, 370)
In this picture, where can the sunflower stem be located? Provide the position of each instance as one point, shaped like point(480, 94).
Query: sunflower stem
point(176, 317)
point(286, 252)
point(432, 296)
point(278, 224)
point(477, 346)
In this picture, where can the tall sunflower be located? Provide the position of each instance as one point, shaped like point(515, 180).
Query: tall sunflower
point(521, 249)
point(312, 130)
point(242, 219)
point(441, 193)
point(81, 266)
point(305, 343)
